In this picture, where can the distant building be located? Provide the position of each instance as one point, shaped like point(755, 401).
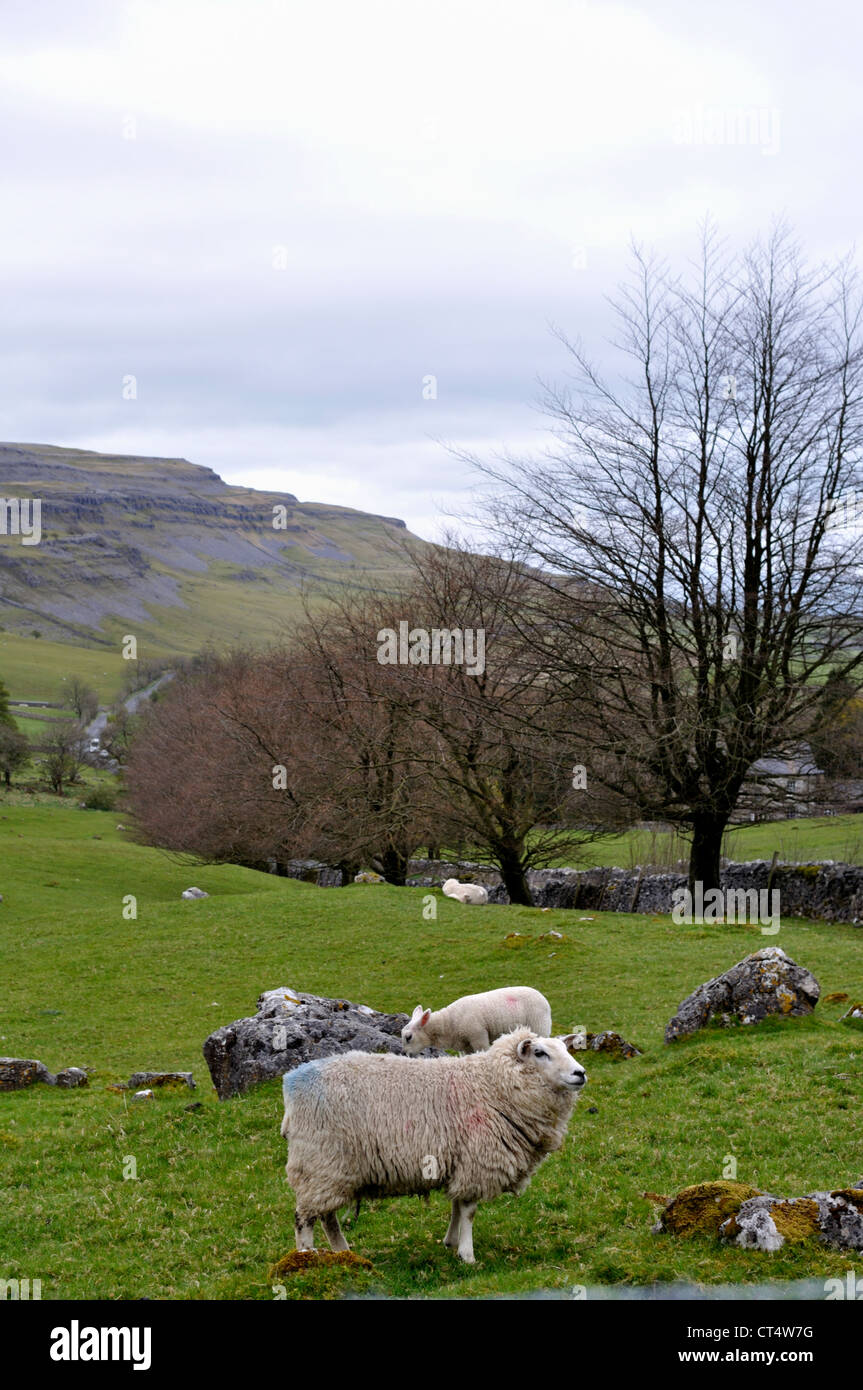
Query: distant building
point(781, 787)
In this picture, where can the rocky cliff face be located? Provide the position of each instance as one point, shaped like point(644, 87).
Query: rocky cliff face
point(161, 544)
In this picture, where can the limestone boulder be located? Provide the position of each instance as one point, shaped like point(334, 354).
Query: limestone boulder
point(290, 1028)
point(767, 1223)
point(757, 1220)
point(16, 1073)
point(767, 982)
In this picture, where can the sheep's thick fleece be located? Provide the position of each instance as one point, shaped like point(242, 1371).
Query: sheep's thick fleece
point(372, 1124)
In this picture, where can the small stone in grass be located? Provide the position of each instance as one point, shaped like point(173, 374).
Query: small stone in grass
point(71, 1077)
point(160, 1078)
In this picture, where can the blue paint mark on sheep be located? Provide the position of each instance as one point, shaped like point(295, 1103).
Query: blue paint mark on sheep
point(306, 1080)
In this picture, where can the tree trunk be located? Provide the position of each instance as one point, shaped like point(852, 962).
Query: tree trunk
point(707, 831)
point(514, 876)
point(394, 866)
point(349, 869)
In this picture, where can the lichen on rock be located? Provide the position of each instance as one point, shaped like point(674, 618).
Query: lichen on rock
point(767, 982)
point(757, 1220)
point(703, 1207)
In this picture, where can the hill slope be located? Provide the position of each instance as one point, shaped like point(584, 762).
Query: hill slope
point(166, 550)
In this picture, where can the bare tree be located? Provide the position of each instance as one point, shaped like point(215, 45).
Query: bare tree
point(118, 732)
point(64, 750)
point(692, 591)
point(498, 752)
point(80, 698)
point(14, 751)
point(290, 753)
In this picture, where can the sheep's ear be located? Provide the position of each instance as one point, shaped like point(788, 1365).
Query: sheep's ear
point(425, 1018)
point(523, 1048)
point(571, 1039)
point(416, 1013)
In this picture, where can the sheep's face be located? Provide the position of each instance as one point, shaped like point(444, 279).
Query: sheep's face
point(414, 1036)
point(550, 1059)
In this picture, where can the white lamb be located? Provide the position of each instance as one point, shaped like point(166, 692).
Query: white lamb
point(472, 1023)
point(377, 1125)
point(465, 892)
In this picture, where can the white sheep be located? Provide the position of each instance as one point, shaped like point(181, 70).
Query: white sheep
point(472, 1023)
point(377, 1125)
point(465, 892)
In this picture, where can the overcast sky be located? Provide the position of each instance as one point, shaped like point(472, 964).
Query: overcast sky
point(281, 217)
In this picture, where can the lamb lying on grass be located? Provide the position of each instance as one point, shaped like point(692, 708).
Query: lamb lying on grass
point(465, 892)
point(377, 1125)
point(472, 1023)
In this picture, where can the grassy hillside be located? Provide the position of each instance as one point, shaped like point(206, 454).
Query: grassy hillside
point(166, 551)
point(33, 668)
point(210, 1209)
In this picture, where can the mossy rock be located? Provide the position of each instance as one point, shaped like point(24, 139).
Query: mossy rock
point(854, 1195)
point(796, 1219)
point(301, 1261)
point(701, 1209)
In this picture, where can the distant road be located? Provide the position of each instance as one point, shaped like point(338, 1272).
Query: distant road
point(96, 726)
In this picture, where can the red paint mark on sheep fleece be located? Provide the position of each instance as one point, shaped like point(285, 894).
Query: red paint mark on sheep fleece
point(512, 1000)
point(476, 1119)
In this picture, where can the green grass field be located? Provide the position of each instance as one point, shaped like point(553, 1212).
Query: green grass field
point(210, 1210)
point(32, 668)
point(806, 838)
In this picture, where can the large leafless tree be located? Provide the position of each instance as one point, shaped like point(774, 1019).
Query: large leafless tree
point(693, 590)
point(497, 748)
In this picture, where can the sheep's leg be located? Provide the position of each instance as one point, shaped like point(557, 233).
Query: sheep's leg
point(333, 1231)
point(304, 1226)
point(465, 1240)
point(454, 1227)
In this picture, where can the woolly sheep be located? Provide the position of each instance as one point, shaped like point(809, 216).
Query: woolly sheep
point(472, 1023)
point(378, 1125)
point(465, 892)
